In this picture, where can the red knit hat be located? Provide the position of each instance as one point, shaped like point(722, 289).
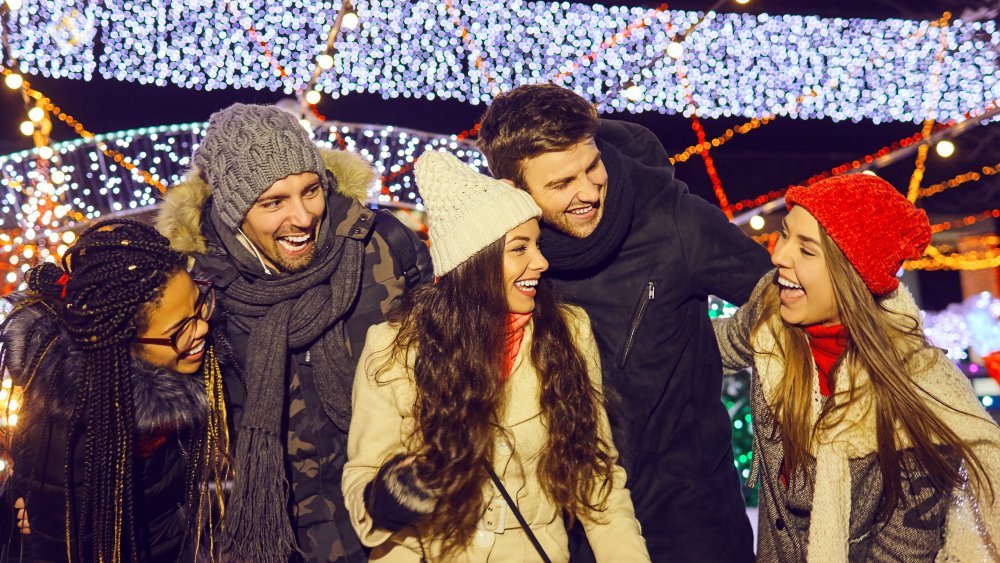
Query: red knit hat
point(874, 225)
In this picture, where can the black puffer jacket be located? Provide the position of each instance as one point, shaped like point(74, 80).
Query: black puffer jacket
point(648, 306)
point(169, 408)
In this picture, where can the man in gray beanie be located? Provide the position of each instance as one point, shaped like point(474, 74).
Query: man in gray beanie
point(279, 226)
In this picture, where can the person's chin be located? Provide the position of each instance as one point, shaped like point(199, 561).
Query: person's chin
point(793, 318)
point(187, 367)
point(293, 264)
point(569, 227)
point(580, 229)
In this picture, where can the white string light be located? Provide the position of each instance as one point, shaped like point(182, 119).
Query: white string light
point(13, 81)
point(91, 184)
point(738, 64)
point(85, 184)
point(945, 148)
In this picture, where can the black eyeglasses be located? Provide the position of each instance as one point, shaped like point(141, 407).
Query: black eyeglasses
point(183, 338)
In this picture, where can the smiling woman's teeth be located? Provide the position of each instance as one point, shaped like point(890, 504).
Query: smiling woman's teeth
point(526, 284)
point(197, 349)
point(787, 284)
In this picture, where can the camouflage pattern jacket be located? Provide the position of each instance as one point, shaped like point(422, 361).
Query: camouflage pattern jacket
point(395, 259)
point(829, 511)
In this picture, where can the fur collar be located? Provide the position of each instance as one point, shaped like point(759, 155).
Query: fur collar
point(163, 400)
point(180, 215)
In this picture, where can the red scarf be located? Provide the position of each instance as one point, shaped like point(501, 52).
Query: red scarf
point(827, 344)
point(515, 335)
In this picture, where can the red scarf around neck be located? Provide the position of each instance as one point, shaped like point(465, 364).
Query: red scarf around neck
point(827, 344)
point(515, 335)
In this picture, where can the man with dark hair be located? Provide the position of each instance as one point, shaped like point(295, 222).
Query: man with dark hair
point(627, 242)
point(303, 268)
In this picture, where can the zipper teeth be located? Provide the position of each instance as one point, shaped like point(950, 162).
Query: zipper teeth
point(650, 295)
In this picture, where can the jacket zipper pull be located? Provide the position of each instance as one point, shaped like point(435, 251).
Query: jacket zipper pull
point(652, 290)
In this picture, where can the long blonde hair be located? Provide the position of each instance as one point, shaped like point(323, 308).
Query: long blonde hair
point(888, 352)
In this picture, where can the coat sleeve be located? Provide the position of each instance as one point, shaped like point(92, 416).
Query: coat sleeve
point(972, 529)
point(721, 259)
point(733, 333)
point(614, 534)
point(375, 434)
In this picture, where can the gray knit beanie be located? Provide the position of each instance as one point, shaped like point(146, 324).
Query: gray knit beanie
point(246, 149)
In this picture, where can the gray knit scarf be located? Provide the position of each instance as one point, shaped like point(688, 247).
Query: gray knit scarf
point(282, 313)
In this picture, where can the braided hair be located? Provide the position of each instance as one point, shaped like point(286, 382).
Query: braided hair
point(109, 277)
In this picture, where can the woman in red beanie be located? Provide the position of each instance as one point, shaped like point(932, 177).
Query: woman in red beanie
point(869, 444)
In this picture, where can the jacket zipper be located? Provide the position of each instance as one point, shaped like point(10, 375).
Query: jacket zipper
point(648, 294)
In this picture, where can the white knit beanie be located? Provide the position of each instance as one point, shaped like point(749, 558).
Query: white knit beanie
point(466, 211)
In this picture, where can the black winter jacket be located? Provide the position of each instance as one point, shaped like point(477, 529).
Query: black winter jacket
point(169, 407)
point(648, 306)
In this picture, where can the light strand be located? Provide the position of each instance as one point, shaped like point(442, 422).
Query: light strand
point(83, 132)
point(791, 108)
point(935, 82)
point(590, 57)
point(478, 61)
point(965, 221)
point(845, 167)
point(958, 180)
point(410, 49)
point(699, 130)
point(259, 41)
point(969, 260)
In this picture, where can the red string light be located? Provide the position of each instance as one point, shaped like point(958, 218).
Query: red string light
point(607, 44)
point(260, 42)
point(713, 174)
point(479, 62)
point(913, 191)
point(965, 221)
point(851, 165)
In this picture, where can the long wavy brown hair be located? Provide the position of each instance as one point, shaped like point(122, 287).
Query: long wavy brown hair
point(889, 352)
point(456, 329)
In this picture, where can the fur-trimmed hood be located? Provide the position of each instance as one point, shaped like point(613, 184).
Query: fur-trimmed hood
point(163, 400)
point(180, 215)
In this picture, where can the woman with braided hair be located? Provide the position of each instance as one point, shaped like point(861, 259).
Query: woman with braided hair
point(122, 423)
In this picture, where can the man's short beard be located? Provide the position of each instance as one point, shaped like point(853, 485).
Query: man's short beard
point(562, 224)
point(295, 265)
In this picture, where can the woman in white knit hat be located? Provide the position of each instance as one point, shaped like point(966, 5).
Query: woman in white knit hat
point(450, 453)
